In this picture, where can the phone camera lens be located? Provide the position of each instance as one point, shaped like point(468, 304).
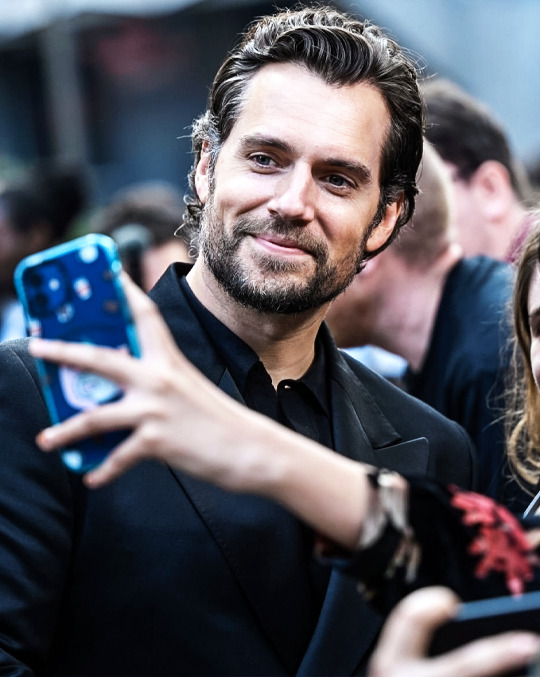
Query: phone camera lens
point(35, 279)
point(41, 302)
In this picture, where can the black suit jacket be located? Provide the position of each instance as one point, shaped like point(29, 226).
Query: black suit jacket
point(161, 574)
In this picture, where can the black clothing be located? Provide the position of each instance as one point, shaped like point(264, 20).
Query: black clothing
point(441, 536)
point(162, 574)
point(301, 404)
point(464, 372)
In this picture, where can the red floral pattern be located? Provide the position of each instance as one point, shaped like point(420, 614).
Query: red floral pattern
point(500, 542)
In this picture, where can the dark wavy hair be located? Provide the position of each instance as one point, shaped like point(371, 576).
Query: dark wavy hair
point(341, 50)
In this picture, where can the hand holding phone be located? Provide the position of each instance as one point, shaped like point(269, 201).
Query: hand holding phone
point(406, 634)
point(73, 292)
point(487, 617)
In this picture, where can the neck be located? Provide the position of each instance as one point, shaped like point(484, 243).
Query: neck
point(405, 324)
point(284, 343)
point(512, 233)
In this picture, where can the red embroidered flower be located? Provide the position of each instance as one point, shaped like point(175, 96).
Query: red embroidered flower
point(500, 542)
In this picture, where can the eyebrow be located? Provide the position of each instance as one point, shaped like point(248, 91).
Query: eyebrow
point(358, 169)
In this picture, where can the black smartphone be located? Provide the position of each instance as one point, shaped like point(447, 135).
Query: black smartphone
point(490, 617)
point(73, 292)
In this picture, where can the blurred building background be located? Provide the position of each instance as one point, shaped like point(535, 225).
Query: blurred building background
point(115, 84)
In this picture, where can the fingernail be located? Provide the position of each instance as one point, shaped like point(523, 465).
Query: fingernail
point(45, 438)
point(88, 479)
point(526, 644)
point(91, 481)
point(35, 345)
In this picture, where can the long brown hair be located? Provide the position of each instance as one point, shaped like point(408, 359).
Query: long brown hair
point(523, 403)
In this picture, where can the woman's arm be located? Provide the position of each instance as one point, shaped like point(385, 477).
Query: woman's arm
point(398, 535)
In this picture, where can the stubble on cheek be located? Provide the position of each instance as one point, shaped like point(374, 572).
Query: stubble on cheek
point(265, 281)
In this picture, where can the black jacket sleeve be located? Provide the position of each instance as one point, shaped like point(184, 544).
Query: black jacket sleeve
point(36, 520)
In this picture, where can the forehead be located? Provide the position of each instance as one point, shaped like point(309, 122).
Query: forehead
point(290, 102)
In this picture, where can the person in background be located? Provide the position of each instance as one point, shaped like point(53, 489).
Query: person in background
point(491, 193)
point(491, 190)
point(446, 315)
point(35, 213)
point(144, 220)
point(161, 573)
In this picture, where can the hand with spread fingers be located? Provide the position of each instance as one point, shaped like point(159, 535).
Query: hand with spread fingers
point(168, 404)
point(178, 416)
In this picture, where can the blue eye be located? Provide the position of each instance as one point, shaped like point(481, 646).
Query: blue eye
point(263, 160)
point(339, 181)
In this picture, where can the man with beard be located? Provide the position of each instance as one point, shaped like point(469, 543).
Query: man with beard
point(305, 165)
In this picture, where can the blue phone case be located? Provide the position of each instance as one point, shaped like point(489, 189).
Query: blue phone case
point(72, 292)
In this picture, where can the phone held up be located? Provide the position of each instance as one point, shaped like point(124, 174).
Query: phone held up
point(73, 292)
point(487, 617)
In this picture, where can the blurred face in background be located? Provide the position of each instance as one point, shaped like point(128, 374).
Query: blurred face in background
point(13, 247)
point(15, 244)
point(468, 199)
point(157, 259)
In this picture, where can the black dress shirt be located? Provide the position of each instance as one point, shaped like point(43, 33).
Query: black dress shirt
point(300, 404)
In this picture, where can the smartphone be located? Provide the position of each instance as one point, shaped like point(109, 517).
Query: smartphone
point(73, 292)
point(490, 617)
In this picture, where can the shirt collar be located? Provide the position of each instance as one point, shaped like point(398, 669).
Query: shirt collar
point(240, 358)
point(235, 353)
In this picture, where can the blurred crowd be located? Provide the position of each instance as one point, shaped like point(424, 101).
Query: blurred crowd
point(431, 313)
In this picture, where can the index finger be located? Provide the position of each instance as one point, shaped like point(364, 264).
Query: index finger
point(117, 365)
point(153, 333)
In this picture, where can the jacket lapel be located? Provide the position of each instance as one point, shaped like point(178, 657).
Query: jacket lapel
point(348, 625)
point(361, 429)
point(228, 517)
point(362, 432)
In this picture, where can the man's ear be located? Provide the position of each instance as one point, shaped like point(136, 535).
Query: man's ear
point(202, 173)
point(492, 186)
point(384, 229)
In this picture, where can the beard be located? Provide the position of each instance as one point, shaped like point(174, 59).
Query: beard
point(268, 283)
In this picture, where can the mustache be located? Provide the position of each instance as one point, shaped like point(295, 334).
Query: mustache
point(281, 228)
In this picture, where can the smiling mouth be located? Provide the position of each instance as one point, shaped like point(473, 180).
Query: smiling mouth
point(278, 245)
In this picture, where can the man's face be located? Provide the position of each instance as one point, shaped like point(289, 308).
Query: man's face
point(471, 228)
point(290, 203)
point(13, 247)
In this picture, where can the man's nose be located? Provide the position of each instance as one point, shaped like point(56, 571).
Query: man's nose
point(294, 195)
